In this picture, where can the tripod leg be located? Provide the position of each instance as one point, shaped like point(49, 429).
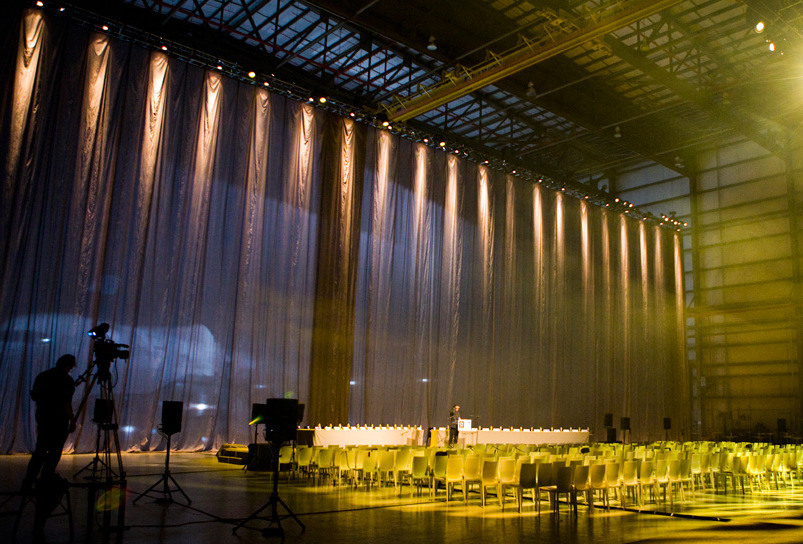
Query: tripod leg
point(290, 513)
point(151, 488)
point(252, 516)
point(178, 488)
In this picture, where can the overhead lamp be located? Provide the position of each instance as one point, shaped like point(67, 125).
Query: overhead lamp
point(431, 45)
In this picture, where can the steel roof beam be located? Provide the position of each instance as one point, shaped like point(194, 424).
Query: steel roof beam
point(521, 60)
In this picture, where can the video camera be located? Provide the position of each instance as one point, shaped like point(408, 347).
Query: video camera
point(106, 350)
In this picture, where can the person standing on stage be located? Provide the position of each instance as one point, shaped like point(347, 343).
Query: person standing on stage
point(454, 416)
point(53, 392)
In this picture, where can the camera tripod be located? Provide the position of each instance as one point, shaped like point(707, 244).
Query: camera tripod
point(103, 477)
point(274, 527)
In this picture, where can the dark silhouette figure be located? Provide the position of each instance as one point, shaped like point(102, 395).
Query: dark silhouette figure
point(52, 391)
point(454, 416)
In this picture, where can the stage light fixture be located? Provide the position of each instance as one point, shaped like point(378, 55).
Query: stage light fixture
point(426, 140)
point(105, 28)
point(266, 84)
point(252, 74)
point(431, 45)
point(219, 67)
point(759, 27)
point(442, 144)
point(164, 48)
point(352, 114)
point(322, 99)
point(772, 47)
point(40, 3)
point(62, 8)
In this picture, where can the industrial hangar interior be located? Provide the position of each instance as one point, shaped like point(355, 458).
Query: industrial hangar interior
point(571, 217)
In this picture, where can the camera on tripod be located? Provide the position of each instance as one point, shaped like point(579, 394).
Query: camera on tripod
point(106, 350)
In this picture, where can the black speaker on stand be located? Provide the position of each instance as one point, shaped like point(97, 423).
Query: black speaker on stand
point(667, 427)
point(624, 424)
point(281, 425)
point(172, 411)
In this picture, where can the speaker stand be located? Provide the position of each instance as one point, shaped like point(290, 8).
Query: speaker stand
point(167, 493)
point(274, 527)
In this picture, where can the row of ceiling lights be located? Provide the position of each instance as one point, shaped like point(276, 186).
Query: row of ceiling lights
point(377, 120)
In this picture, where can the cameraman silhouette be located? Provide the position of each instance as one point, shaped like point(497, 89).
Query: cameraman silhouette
point(52, 391)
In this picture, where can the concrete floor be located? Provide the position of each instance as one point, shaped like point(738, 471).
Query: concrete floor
point(222, 495)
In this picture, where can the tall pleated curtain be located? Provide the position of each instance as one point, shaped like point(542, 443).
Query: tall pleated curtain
point(247, 246)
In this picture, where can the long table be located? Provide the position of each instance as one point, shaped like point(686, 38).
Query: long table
point(533, 437)
point(361, 436)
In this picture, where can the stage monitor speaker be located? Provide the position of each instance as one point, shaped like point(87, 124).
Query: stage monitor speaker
point(781, 425)
point(172, 411)
point(624, 423)
point(611, 434)
point(258, 412)
point(608, 420)
point(667, 423)
point(104, 410)
point(281, 421)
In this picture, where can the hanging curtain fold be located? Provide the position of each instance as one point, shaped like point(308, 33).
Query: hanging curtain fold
point(247, 247)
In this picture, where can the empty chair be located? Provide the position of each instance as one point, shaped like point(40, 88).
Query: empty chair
point(402, 465)
point(630, 480)
point(597, 481)
point(490, 478)
point(438, 471)
point(303, 459)
point(369, 468)
point(454, 475)
point(385, 466)
point(472, 473)
point(325, 463)
point(563, 485)
point(612, 480)
point(544, 479)
point(419, 473)
point(507, 477)
point(527, 481)
point(673, 479)
point(581, 484)
point(646, 478)
point(661, 476)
